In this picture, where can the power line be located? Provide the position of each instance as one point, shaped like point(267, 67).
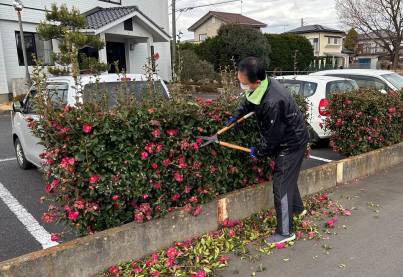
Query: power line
point(205, 5)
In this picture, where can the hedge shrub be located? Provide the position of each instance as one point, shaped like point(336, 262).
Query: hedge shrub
point(365, 120)
point(106, 167)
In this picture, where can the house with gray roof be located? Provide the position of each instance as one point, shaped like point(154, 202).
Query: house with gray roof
point(132, 29)
point(326, 42)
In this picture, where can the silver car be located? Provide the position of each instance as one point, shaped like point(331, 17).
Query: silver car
point(27, 147)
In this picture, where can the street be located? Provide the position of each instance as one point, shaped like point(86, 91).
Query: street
point(21, 228)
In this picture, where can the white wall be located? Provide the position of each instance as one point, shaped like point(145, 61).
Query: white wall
point(156, 10)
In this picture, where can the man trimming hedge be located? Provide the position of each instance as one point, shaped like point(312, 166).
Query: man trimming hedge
point(284, 137)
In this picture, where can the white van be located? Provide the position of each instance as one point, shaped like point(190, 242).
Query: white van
point(27, 147)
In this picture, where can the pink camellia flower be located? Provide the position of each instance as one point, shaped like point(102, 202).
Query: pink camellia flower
point(146, 196)
point(115, 198)
point(197, 211)
point(166, 162)
point(157, 185)
point(299, 235)
point(187, 189)
point(156, 56)
point(176, 197)
point(113, 270)
point(347, 212)
point(199, 140)
point(48, 188)
point(54, 237)
point(151, 110)
point(178, 177)
point(330, 223)
point(66, 162)
point(193, 199)
point(171, 132)
point(48, 217)
point(87, 128)
point(392, 110)
point(154, 166)
point(195, 146)
point(73, 215)
point(144, 155)
point(280, 245)
point(67, 208)
point(139, 217)
point(223, 260)
point(137, 270)
point(93, 179)
point(79, 204)
point(172, 252)
point(213, 169)
point(158, 148)
point(311, 235)
point(156, 133)
point(154, 258)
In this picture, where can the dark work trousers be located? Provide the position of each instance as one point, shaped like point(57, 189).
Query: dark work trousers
point(287, 199)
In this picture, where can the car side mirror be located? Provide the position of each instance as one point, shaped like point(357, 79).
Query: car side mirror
point(17, 106)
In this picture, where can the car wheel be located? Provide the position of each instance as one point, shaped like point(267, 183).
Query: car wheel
point(19, 152)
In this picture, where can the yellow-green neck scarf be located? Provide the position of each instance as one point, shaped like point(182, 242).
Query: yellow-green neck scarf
point(256, 96)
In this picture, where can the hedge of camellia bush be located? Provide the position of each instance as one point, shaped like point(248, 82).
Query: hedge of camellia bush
point(362, 121)
point(138, 160)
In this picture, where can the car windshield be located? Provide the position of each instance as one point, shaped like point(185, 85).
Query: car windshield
point(395, 79)
point(132, 88)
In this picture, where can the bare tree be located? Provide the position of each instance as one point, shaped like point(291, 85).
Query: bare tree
point(380, 20)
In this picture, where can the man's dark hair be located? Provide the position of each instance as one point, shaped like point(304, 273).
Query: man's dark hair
point(253, 68)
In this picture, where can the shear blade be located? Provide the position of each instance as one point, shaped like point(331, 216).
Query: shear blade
point(208, 140)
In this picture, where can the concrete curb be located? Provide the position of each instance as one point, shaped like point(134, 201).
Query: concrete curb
point(90, 255)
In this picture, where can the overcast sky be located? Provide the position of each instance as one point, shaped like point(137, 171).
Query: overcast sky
point(279, 15)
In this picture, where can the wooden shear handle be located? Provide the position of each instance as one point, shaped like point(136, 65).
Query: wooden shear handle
point(233, 146)
point(223, 130)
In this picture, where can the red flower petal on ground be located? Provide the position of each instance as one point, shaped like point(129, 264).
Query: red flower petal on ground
point(330, 223)
point(280, 245)
point(223, 260)
point(231, 233)
point(93, 179)
point(114, 270)
point(54, 237)
point(299, 235)
point(172, 252)
point(87, 128)
point(156, 273)
point(48, 217)
point(311, 235)
point(347, 212)
point(198, 274)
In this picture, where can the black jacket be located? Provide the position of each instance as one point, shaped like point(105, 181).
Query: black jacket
point(280, 121)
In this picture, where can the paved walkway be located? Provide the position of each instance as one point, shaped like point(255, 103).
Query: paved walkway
point(371, 244)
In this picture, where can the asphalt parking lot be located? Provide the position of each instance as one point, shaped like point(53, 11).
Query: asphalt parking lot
point(21, 228)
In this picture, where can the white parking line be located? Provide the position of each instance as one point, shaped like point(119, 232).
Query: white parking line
point(7, 160)
point(30, 223)
point(320, 159)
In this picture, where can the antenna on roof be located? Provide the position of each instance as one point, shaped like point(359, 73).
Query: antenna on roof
point(241, 6)
point(302, 22)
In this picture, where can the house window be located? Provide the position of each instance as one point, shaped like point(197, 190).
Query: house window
point(202, 37)
point(128, 24)
point(119, 2)
point(35, 47)
point(336, 41)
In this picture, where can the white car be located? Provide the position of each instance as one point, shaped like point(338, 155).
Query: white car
point(27, 147)
point(381, 80)
point(317, 90)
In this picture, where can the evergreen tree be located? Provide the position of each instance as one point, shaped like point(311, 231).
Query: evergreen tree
point(351, 40)
point(65, 25)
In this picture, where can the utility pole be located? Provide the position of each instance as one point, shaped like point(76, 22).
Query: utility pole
point(18, 6)
point(173, 38)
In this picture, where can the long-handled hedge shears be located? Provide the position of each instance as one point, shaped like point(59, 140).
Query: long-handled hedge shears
point(214, 138)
